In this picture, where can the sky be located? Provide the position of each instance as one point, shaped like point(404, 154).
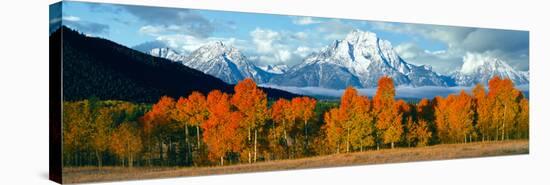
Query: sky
point(281, 39)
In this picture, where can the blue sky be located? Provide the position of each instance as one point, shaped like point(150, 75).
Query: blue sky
point(281, 39)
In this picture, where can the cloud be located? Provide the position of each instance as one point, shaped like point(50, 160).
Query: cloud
point(90, 28)
point(71, 18)
point(512, 46)
point(303, 51)
point(173, 20)
point(304, 20)
point(188, 43)
point(442, 61)
point(272, 47)
point(401, 91)
point(334, 29)
point(264, 39)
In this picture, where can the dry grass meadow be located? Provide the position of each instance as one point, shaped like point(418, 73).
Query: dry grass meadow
point(436, 152)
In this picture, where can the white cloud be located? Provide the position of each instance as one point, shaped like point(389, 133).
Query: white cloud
point(188, 43)
point(151, 30)
point(303, 51)
point(300, 35)
point(71, 18)
point(334, 29)
point(272, 46)
point(442, 61)
point(264, 39)
point(305, 21)
point(510, 45)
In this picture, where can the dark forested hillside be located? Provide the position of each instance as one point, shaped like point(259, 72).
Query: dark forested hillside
point(95, 67)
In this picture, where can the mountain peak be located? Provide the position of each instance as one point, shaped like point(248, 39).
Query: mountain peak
point(474, 62)
point(359, 36)
point(480, 68)
point(224, 62)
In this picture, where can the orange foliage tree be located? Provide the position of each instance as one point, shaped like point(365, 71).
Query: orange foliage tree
point(101, 133)
point(126, 142)
point(351, 123)
point(157, 121)
point(222, 129)
point(252, 103)
point(506, 105)
point(388, 117)
point(522, 130)
point(191, 111)
point(283, 117)
point(303, 108)
point(483, 114)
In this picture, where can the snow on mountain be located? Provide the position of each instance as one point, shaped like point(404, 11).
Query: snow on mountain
point(275, 69)
point(359, 60)
point(224, 62)
point(166, 53)
point(478, 68)
point(159, 49)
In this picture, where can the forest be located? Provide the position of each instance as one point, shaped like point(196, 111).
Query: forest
point(218, 129)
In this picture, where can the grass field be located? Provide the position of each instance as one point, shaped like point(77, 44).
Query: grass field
point(437, 152)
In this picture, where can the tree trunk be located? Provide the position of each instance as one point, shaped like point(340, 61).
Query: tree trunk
point(255, 143)
point(504, 123)
point(198, 138)
point(347, 141)
point(391, 145)
point(221, 160)
point(160, 151)
point(131, 161)
point(306, 142)
point(99, 159)
point(249, 154)
point(187, 146)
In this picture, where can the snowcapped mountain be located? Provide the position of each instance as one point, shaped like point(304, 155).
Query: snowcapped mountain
point(480, 69)
point(359, 60)
point(275, 69)
point(224, 62)
point(166, 53)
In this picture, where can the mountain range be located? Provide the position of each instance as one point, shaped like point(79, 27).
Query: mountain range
point(358, 60)
point(96, 67)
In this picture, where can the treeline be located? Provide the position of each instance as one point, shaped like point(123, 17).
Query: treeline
point(244, 127)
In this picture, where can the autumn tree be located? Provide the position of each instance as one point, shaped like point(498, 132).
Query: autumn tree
point(222, 128)
point(506, 105)
point(522, 130)
point(157, 121)
point(252, 103)
point(388, 117)
point(283, 117)
point(101, 133)
point(425, 110)
point(335, 129)
point(76, 130)
point(351, 123)
point(362, 123)
point(126, 142)
point(303, 108)
point(191, 111)
point(483, 113)
point(461, 117)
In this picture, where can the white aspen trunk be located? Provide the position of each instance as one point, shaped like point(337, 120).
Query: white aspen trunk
point(504, 122)
point(255, 143)
point(347, 141)
point(198, 138)
point(249, 154)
